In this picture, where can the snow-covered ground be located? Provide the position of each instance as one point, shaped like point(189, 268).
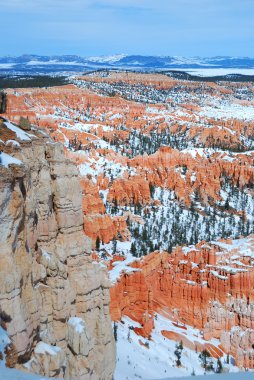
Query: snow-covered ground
point(6, 65)
point(140, 358)
point(107, 59)
point(243, 246)
point(8, 373)
point(120, 266)
point(223, 376)
point(22, 135)
point(229, 111)
point(101, 165)
point(13, 374)
point(213, 72)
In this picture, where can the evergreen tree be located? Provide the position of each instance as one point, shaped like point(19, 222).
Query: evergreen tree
point(152, 189)
point(204, 356)
point(193, 372)
point(97, 243)
point(178, 353)
point(219, 366)
point(144, 235)
point(133, 250)
point(115, 331)
point(226, 206)
point(114, 246)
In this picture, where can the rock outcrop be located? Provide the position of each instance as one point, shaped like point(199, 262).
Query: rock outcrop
point(56, 298)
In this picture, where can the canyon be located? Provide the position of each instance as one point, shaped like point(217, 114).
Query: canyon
point(146, 179)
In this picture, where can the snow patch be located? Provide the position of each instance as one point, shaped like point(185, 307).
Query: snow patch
point(78, 324)
point(19, 132)
point(6, 160)
point(44, 348)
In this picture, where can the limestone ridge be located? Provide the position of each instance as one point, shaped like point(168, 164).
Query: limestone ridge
point(55, 299)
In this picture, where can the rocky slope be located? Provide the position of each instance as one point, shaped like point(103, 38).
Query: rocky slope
point(54, 300)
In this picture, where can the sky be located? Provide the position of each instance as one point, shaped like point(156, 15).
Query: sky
point(147, 27)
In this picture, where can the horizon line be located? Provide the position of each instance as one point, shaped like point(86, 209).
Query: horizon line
point(123, 55)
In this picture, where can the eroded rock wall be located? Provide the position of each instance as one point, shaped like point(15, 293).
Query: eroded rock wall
point(55, 297)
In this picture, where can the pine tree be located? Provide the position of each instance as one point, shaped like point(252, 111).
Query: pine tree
point(178, 353)
point(133, 249)
point(98, 243)
point(226, 206)
point(129, 335)
point(144, 235)
point(114, 246)
point(193, 372)
point(204, 355)
point(219, 366)
point(152, 189)
point(115, 331)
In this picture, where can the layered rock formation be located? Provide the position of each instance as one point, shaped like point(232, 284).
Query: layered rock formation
point(209, 287)
point(192, 139)
point(55, 299)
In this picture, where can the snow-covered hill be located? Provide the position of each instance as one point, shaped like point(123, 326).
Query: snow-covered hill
point(139, 358)
point(34, 64)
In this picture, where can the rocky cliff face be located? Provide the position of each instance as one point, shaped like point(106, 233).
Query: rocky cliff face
point(54, 299)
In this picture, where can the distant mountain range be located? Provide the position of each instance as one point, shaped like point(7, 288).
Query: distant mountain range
point(36, 64)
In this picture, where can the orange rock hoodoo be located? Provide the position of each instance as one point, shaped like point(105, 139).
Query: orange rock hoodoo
point(195, 287)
